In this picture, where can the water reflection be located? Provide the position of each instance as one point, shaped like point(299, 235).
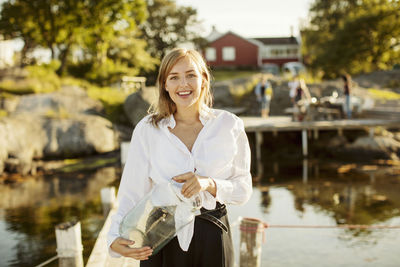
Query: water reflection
point(350, 198)
point(315, 193)
point(30, 210)
point(298, 193)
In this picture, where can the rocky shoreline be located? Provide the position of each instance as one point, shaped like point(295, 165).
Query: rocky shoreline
point(69, 124)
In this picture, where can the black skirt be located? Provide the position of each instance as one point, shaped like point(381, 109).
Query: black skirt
point(210, 246)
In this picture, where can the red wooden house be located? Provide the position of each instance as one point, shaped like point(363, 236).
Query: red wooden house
point(234, 51)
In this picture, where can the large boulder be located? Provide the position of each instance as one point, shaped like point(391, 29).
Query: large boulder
point(24, 140)
point(136, 105)
point(29, 136)
point(80, 135)
point(375, 147)
point(377, 143)
point(229, 93)
point(222, 94)
point(69, 100)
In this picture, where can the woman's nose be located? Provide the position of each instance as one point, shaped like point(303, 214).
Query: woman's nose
point(183, 81)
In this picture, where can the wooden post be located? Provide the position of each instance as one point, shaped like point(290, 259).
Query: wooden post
point(107, 199)
point(69, 244)
point(316, 134)
point(259, 141)
point(124, 152)
point(251, 239)
point(304, 142)
point(305, 171)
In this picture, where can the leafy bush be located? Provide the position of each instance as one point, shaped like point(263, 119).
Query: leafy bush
point(384, 94)
point(108, 73)
point(3, 113)
point(17, 87)
point(40, 79)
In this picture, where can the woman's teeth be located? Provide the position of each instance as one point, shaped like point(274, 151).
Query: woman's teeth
point(184, 93)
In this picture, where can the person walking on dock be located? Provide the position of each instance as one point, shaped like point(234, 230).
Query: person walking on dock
point(300, 97)
point(264, 93)
point(203, 150)
point(347, 90)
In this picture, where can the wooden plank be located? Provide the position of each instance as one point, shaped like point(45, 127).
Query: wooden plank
point(255, 124)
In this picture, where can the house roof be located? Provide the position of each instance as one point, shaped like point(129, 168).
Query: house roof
point(252, 41)
point(277, 40)
point(214, 35)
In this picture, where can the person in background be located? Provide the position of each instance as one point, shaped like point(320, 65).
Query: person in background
point(264, 94)
point(347, 90)
point(203, 149)
point(299, 96)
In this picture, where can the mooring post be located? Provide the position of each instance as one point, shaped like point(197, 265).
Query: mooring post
point(304, 142)
point(305, 171)
point(259, 141)
point(107, 199)
point(316, 134)
point(69, 244)
point(251, 239)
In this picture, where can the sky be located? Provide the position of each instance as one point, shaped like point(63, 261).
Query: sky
point(250, 18)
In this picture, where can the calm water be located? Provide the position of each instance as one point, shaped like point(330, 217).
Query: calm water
point(285, 194)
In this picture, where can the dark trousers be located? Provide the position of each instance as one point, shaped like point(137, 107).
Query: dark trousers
point(210, 247)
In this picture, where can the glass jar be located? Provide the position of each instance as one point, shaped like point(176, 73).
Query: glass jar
point(152, 221)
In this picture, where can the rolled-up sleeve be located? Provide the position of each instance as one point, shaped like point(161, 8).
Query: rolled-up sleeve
point(237, 188)
point(135, 181)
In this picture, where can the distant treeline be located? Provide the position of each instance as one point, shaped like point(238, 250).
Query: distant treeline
point(99, 40)
point(352, 36)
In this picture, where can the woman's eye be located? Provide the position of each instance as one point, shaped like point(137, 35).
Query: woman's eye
point(191, 75)
point(173, 78)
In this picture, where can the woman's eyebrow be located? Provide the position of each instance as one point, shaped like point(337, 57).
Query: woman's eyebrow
point(175, 73)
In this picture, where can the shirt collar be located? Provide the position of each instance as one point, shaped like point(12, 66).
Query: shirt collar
point(205, 115)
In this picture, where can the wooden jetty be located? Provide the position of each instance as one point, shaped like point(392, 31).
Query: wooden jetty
point(259, 125)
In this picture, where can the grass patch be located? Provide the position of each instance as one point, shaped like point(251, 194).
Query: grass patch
point(61, 113)
point(112, 98)
point(3, 113)
point(383, 94)
point(74, 165)
point(223, 75)
point(239, 91)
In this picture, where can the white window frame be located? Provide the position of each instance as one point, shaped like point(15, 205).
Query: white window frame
point(228, 53)
point(211, 54)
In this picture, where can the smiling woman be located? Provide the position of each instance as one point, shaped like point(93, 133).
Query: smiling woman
point(184, 84)
point(202, 151)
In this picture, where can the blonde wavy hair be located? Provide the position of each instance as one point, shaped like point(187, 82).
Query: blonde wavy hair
point(165, 106)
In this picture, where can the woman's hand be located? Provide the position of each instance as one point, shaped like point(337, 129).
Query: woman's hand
point(121, 246)
point(194, 184)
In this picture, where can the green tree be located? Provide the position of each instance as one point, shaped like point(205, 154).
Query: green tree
point(51, 24)
point(90, 27)
point(113, 44)
point(352, 36)
point(168, 25)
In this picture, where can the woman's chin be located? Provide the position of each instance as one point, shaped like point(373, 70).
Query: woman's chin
point(185, 104)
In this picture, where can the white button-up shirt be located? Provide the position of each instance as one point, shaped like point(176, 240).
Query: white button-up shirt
point(221, 152)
